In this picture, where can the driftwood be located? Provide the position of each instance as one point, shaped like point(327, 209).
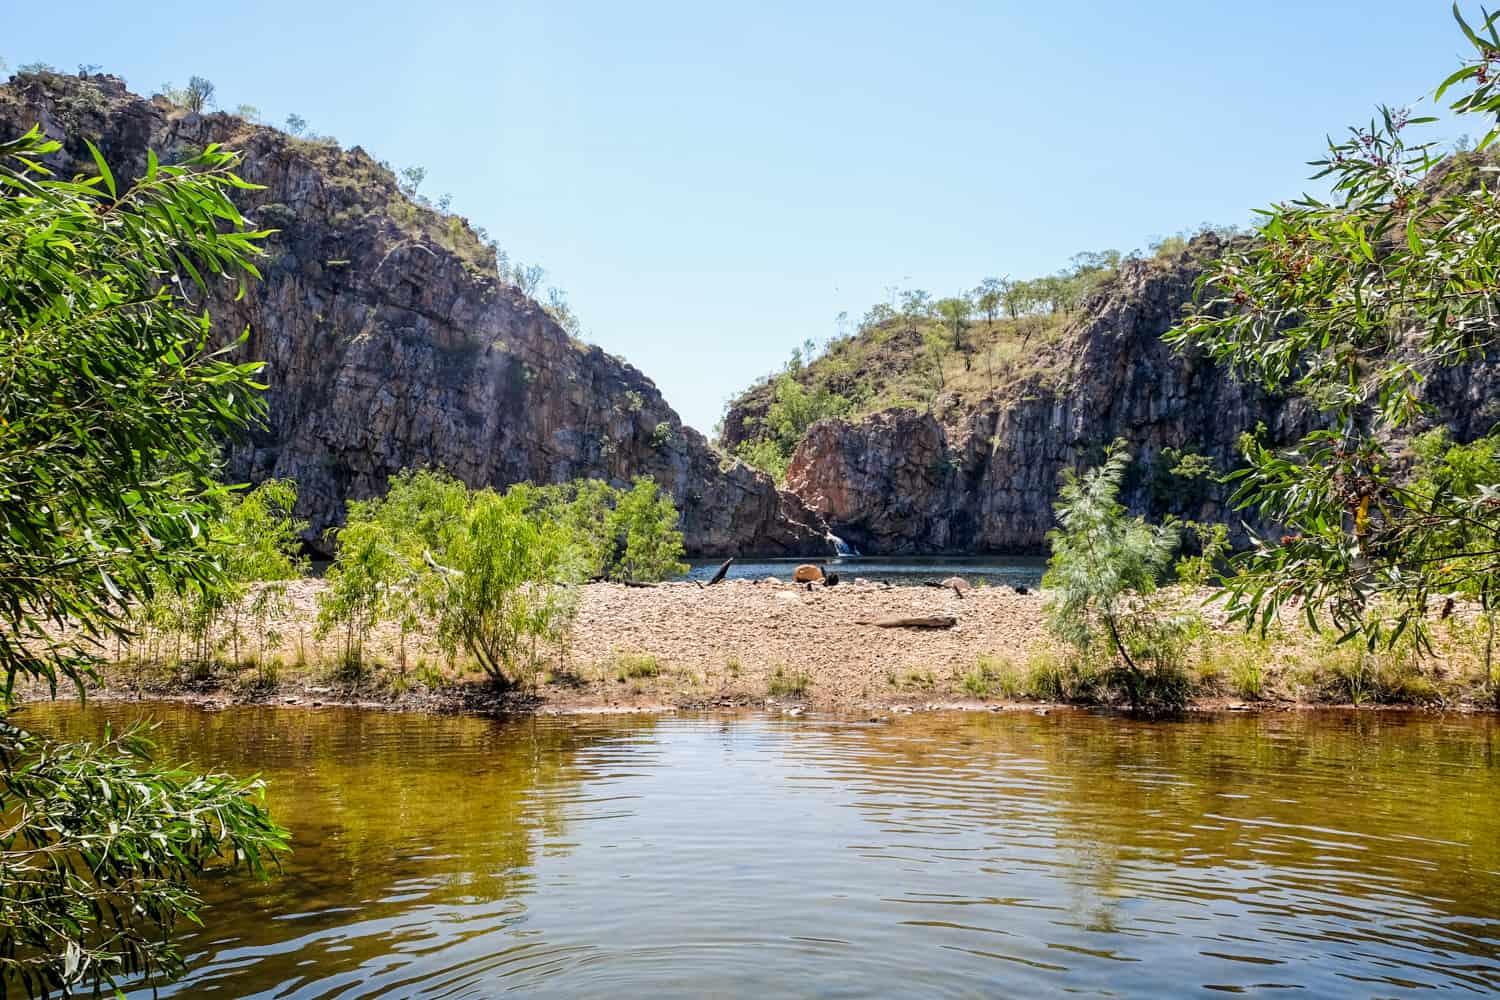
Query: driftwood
point(946, 585)
point(918, 621)
point(718, 577)
point(638, 584)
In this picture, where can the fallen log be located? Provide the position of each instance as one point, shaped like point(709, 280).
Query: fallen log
point(638, 584)
point(917, 621)
point(718, 577)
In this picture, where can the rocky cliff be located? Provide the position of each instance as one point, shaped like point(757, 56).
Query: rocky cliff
point(981, 474)
point(391, 341)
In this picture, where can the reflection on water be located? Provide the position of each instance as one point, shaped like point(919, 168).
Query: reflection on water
point(995, 571)
point(977, 855)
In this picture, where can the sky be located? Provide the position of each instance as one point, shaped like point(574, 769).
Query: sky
point(713, 184)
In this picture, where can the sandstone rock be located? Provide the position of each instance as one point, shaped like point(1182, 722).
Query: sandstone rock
point(983, 477)
point(391, 342)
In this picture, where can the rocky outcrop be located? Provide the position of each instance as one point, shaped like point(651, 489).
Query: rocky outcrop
point(984, 477)
point(390, 341)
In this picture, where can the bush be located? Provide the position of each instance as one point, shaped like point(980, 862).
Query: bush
point(619, 535)
point(634, 666)
point(788, 683)
point(360, 581)
point(794, 408)
point(647, 521)
point(506, 578)
point(991, 676)
point(1104, 567)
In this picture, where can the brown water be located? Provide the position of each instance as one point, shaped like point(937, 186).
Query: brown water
point(972, 855)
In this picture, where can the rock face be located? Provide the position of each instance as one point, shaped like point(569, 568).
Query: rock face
point(390, 340)
point(984, 477)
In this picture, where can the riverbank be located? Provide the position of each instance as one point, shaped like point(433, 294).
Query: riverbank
point(767, 643)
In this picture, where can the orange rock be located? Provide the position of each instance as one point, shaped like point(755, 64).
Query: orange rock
point(808, 573)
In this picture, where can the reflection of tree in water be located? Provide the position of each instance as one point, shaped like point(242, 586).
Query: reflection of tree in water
point(1275, 813)
point(395, 819)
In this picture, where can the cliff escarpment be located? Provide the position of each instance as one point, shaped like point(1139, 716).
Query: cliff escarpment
point(976, 466)
point(391, 340)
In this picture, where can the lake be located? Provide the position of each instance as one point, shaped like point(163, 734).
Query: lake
point(1010, 571)
point(962, 855)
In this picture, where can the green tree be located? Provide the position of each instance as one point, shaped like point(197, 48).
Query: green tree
point(1354, 301)
point(990, 297)
point(1105, 564)
point(258, 540)
point(508, 581)
point(1446, 469)
point(366, 572)
point(954, 314)
point(937, 348)
point(646, 519)
point(112, 396)
point(794, 408)
point(197, 96)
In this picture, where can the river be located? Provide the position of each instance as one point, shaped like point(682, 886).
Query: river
point(1009, 571)
point(963, 855)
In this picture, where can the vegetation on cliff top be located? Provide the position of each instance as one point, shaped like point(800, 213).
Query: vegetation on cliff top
point(935, 354)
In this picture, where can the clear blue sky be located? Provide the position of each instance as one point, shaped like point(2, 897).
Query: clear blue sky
point(712, 183)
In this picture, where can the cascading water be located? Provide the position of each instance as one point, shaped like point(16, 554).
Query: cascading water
point(841, 547)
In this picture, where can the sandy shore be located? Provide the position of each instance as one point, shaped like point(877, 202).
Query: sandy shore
point(681, 645)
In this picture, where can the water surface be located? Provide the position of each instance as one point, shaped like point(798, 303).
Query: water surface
point(971, 855)
point(1010, 571)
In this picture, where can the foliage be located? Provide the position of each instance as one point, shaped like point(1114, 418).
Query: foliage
point(617, 534)
point(786, 683)
point(197, 96)
point(98, 851)
point(382, 566)
point(494, 573)
point(636, 666)
point(256, 540)
point(1104, 565)
point(112, 396)
point(794, 407)
point(411, 179)
point(955, 313)
point(506, 578)
point(1354, 301)
point(360, 586)
point(1213, 549)
point(646, 519)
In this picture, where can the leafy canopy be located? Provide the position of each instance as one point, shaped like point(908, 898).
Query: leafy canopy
point(1356, 301)
point(112, 399)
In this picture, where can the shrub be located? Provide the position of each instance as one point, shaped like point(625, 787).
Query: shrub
point(506, 585)
point(633, 666)
point(647, 520)
point(992, 676)
point(1104, 567)
point(359, 584)
point(788, 683)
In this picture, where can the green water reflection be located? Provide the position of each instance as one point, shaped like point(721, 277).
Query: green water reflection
point(958, 855)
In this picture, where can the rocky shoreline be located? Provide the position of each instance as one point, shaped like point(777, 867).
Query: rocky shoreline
point(774, 644)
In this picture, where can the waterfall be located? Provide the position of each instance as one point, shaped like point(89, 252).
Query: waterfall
point(841, 547)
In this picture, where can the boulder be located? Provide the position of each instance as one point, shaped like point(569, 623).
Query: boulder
point(807, 573)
